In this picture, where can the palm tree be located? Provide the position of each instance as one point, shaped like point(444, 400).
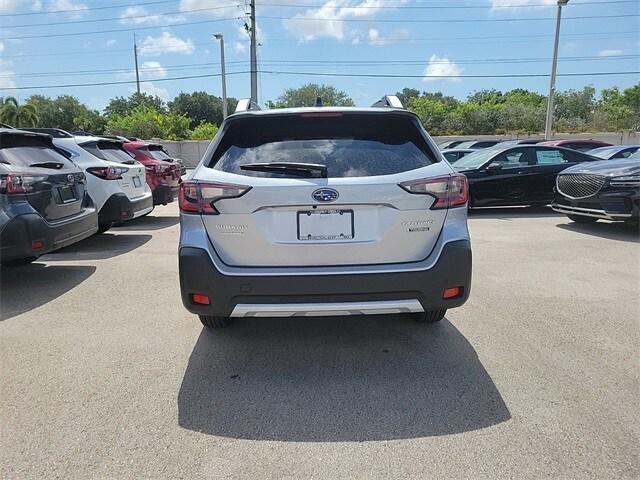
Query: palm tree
point(13, 113)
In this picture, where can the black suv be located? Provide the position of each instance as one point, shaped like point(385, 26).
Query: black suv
point(44, 205)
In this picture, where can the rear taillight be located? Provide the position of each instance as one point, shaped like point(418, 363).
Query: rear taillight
point(15, 184)
point(199, 197)
point(450, 191)
point(157, 168)
point(108, 173)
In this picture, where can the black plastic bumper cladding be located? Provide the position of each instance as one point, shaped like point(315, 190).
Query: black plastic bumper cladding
point(164, 194)
point(19, 232)
point(119, 208)
point(199, 275)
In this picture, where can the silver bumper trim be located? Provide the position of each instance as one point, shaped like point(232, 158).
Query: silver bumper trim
point(588, 212)
point(384, 307)
point(144, 211)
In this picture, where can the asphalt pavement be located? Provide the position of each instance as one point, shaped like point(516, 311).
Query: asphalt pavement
point(105, 375)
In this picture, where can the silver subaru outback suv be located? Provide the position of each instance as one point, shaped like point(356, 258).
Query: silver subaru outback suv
point(323, 211)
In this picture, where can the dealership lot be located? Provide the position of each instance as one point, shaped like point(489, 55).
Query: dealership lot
point(105, 375)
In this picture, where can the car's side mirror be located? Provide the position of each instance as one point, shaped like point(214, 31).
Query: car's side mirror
point(494, 168)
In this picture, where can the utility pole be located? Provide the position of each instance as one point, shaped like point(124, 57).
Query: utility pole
point(554, 65)
point(254, 54)
point(135, 56)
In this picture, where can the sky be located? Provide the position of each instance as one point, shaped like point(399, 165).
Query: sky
point(367, 48)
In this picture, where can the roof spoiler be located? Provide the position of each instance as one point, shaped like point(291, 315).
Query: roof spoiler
point(389, 101)
point(54, 132)
point(245, 105)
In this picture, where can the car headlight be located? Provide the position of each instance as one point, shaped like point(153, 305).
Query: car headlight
point(625, 181)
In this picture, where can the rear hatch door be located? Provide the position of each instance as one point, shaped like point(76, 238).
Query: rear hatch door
point(357, 215)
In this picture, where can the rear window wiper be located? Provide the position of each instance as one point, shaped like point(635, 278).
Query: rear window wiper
point(312, 170)
point(56, 165)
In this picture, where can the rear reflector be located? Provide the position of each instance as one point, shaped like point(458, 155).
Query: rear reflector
point(37, 244)
point(200, 299)
point(452, 292)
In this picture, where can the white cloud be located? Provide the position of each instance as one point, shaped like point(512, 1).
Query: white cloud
point(7, 6)
point(326, 21)
point(1, 47)
point(111, 42)
point(7, 79)
point(136, 15)
point(166, 43)
point(215, 6)
point(55, 5)
point(374, 37)
point(151, 89)
point(518, 5)
point(441, 69)
point(611, 52)
point(150, 70)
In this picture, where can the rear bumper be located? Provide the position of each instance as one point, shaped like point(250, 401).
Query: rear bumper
point(18, 234)
point(286, 295)
point(119, 208)
point(164, 194)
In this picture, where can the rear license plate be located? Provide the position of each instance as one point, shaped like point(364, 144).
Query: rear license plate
point(136, 182)
point(67, 194)
point(325, 225)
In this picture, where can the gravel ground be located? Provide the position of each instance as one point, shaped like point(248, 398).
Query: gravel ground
point(105, 375)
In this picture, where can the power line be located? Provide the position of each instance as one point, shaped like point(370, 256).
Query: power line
point(298, 5)
point(450, 20)
point(612, 34)
point(476, 61)
point(318, 74)
point(124, 17)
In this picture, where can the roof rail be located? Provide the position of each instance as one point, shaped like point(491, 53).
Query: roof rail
point(54, 132)
point(245, 105)
point(389, 101)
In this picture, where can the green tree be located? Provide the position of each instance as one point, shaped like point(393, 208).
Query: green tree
point(124, 106)
point(575, 107)
point(407, 94)
point(433, 113)
point(204, 131)
point(201, 107)
point(305, 96)
point(147, 123)
point(66, 112)
point(17, 115)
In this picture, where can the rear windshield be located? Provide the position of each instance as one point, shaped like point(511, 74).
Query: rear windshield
point(349, 145)
point(156, 152)
point(26, 151)
point(109, 151)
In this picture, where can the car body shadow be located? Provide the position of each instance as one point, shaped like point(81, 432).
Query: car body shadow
point(610, 230)
point(508, 213)
point(27, 287)
point(147, 223)
point(99, 247)
point(336, 379)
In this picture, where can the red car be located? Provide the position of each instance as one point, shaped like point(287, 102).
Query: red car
point(163, 177)
point(579, 145)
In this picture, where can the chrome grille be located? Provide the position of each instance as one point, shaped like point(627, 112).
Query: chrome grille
point(579, 185)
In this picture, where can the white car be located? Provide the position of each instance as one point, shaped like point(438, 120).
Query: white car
point(115, 181)
point(323, 211)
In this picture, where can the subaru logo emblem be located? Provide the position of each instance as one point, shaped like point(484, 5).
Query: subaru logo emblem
point(325, 195)
point(70, 177)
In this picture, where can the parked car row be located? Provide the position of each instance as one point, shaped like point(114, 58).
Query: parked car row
point(57, 188)
point(582, 145)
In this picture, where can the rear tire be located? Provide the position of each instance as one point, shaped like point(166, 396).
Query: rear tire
point(103, 227)
point(582, 219)
point(18, 262)
point(432, 316)
point(214, 322)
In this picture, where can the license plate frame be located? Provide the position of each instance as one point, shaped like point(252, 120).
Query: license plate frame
point(136, 181)
point(67, 194)
point(342, 230)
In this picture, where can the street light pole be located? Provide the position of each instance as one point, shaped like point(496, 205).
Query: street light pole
point(554, 65)
point(220, 37)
